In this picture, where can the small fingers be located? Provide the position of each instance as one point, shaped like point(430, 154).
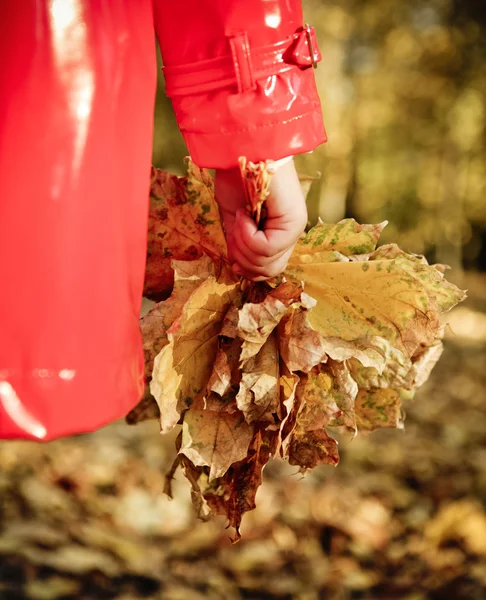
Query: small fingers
point(247, 268)
point(235, 243)
point(277, 236)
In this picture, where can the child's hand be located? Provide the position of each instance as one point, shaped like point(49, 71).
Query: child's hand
point(254, 253)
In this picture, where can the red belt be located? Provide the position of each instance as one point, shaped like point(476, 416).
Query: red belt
point(244, 65)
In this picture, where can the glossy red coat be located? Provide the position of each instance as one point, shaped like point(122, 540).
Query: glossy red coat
point(77, 87)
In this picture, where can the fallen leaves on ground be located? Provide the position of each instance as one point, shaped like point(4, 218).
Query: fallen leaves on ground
point(402, 517)
point(259, 370)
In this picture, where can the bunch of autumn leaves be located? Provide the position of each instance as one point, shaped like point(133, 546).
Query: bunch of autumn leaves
point(254, 371)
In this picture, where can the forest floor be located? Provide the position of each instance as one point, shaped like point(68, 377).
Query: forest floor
point(402, 516)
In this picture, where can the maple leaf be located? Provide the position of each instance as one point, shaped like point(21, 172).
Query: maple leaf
point(215, 439)
point(199, 480)
point(184, 223)
point(183, 367)
point(188, 275)
point(423, 362)
point(394, 299)
point(319, 407)
point(256, 182)
point(306, 442)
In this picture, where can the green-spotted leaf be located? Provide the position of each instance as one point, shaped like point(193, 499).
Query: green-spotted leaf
point(346, 237)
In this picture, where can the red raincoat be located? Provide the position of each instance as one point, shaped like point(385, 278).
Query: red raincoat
point(77, 85)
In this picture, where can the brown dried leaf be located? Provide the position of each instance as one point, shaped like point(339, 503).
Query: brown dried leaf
point(245, 478)
point(257, 321)
point(308, 443)
point(198, 478)
point(318, 391)
point(256, 180)
point(145, 410)
point(288, 387)
point(259, 395)
point(309, 449)
point(215, 439)
point(301, 347)
point(226, 371)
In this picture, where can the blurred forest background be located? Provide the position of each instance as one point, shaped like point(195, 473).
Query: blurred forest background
point(403, 87)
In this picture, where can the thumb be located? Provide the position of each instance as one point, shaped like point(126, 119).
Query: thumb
point(245, 225)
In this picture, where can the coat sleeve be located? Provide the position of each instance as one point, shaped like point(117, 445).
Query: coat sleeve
point(77, 88)
point(241, 79)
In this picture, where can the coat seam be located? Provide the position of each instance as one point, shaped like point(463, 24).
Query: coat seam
point(247, 129)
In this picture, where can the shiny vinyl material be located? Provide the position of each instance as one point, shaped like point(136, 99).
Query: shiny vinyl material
point(266, 104)
point(77, 88)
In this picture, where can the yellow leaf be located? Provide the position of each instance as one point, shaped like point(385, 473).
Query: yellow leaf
point(393, 299)
point(215, 439)
point(288, 387)
point(202, 214)
point(346, 237)
point(183, 367)
point(319, 403)
point(422, 364)
point(378, 408)
point(320, 257)
point(394, 373)
point(188, 275)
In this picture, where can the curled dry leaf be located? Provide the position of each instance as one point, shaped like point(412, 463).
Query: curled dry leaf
point(259, 370)
point(256, 321)
point(258, 397)
point(301, 347)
